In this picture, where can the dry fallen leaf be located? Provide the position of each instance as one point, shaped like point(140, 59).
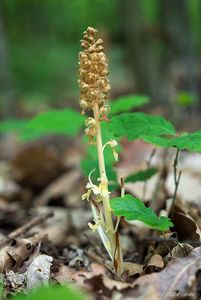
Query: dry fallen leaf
point(39, 271)
point(132, 268)
point(66, 274)
point(55, 227)
point(184, 225)
point(13, 256)
point(175, 277)
point(147, 292)
point(155, 263)
point(181, 250)
point(14, 281)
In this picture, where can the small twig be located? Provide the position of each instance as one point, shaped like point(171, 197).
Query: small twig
point(148, 162)
point(175, 164)
point(177, 178)
point(160, 177)
point(122, 185)
point(23, 229)
point(118, 257)
point(171, 239)
point(176, 187)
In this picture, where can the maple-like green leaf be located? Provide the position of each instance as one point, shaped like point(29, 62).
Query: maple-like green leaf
point(137, 125)
point(141, 175)
point(128, 102)
point(157, 140)
point(64, 122)
point(187, 141)
point(134, 209)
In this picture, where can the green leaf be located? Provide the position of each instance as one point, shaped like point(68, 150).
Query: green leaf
point(187, 141)
point(65, 122)
point(134, 209)
point(157, 140)
point(137, 125)
point(52, 293)
point(141, 175)
point(126, 103)
point(12, 125)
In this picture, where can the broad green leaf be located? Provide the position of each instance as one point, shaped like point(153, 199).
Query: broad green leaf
point(126, 103)
point(12, 125)
point(134, 209)
point(65, 122)
point(137, 125)
point(187, 141)
point(141, 175)
point(157, 140)
point(52, 293)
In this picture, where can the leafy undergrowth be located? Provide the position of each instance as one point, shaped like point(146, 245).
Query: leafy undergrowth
point(45, 238)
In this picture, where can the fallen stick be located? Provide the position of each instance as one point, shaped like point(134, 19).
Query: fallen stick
point(26, 227)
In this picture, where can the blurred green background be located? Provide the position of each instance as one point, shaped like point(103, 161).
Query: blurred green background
point(154, 48)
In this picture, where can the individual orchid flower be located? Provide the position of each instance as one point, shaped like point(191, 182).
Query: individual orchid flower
point(87, 195)
point(97, 223)
point(103, 187)
point(100, 191)
point(91, 187)
point(113, 144)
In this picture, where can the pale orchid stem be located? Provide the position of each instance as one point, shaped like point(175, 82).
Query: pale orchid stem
point(103, 178)
point(116, 251)
point(101, 232)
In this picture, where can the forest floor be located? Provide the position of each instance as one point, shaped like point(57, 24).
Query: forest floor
point(44, 222)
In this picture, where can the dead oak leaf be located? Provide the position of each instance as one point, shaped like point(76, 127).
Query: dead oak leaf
point(66, 274)
point(155, 263)
point(175, 277)
point(181, 250)
point(184, 225)
point(132, 268)
point(18, 252)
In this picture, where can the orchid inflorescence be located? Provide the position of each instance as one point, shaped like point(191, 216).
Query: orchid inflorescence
point(94, 88)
